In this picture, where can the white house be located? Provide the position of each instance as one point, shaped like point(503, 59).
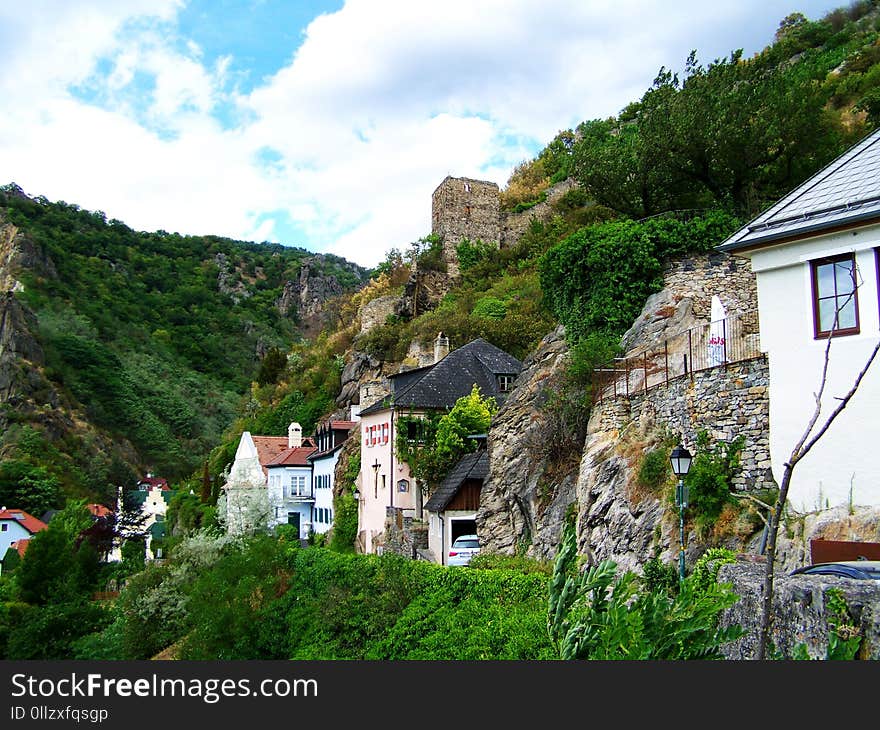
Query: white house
point(385, 481)
point(329, 439)
point(816, 256)
point(289, 479)
point(151, 497)
point(251, 502)
point(17, 525)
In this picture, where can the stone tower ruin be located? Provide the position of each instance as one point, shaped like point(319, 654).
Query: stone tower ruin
point(462, 208)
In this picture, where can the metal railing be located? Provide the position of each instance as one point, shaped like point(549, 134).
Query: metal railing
point(707, 346)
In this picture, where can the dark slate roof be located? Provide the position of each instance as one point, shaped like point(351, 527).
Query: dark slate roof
point(439, 385)
point(843, 193)
point(471, 466)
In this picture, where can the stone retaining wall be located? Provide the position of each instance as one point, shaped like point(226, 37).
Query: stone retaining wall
point(725, 401)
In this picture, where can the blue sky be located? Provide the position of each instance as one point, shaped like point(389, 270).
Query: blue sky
point(325, 125)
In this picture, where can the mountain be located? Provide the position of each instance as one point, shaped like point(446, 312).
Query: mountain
point(125, 351)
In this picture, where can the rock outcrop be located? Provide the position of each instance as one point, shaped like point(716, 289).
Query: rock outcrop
point(800, 610)
point(522, 503)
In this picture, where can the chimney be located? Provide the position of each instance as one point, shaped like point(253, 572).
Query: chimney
point(294, 436)
point(441, 347)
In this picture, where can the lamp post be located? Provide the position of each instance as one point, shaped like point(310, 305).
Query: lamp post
point(681, 464)
point(376, 480)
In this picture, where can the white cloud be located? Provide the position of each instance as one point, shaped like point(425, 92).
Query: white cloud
point(381, 101)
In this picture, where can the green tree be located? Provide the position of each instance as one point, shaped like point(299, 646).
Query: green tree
point(59, 566)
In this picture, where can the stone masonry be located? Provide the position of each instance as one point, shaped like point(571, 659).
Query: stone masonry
point(725, 401)
point(462, 208)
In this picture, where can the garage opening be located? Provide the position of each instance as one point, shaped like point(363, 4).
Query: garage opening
point(462, 527)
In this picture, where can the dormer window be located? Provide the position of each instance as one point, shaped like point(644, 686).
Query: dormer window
point(505, 382)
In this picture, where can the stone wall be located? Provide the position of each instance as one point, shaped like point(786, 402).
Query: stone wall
point(404, 535)
point(725, 401)
point(686, 300)
point(462, 208)
point(514, 225)
point(800, 610)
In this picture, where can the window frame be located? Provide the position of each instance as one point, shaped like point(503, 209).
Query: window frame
point(818, 333)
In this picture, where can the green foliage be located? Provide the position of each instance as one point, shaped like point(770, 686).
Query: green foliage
point(709, 479)
point(597, 614)
point(51, 631)
point(490, 307)
point(57, 567)
point(153, 334)
point(427, 253)
point(345, 508)
point(599, 278)
point(470, 615)
point(442, 439)
point(272, 365)
point(133, 556)
point(654, 468)
point(498, 561)
point(704, 574)
point(470, 254)
point(25, 485)
point(187, 514)
point(658, 576)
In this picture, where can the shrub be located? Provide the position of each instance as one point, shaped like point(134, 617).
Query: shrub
point(654, 468)
point(709, 478)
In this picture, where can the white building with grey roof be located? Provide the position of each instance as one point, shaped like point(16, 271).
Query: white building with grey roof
point(816, 256)
point(385, 481)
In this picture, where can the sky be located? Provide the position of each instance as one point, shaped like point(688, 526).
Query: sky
point(324, 125)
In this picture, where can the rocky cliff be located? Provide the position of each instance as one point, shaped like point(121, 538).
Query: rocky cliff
point(524, 500)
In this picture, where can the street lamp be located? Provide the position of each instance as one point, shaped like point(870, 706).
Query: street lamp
point(376, 481)
point(681, 464)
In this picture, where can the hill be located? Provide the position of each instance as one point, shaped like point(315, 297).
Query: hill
point(126, 351)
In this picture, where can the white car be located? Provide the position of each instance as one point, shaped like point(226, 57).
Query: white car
point(463, 549)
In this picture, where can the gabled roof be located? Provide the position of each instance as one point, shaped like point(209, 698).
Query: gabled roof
point(844, 193)
point(270, 447)
point(440, 385)
point(471, 466)
point(297, 456)
point(28, 522)
point(150, 481)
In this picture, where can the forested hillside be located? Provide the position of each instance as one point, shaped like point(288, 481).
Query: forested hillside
point(151, 339)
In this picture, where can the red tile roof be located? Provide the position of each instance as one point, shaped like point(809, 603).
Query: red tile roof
point(19, 546)
point(348, 425)
point(293, 457)
point(269, 448)
point(99, 510)
point(28, 522)
point(152, 481)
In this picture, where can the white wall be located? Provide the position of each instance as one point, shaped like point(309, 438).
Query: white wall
point(323, 468)
point(281, 500)
point(13, 532)
point(847, 454)
point(376, 493)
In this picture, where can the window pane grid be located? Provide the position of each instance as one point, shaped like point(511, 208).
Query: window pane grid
point(834, 295)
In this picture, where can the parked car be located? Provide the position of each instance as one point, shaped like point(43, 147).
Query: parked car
point(463, 549)
point(859, 569)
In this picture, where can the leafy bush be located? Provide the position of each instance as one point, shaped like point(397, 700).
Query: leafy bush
point(709, 479)
point(597, 614)
point(654, 468)
point(490, 307)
